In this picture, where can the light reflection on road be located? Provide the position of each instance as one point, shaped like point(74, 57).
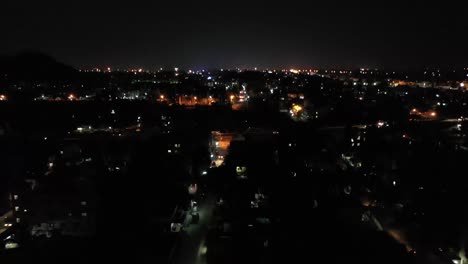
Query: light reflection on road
point(192, 246)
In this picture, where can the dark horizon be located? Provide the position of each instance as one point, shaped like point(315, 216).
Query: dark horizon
point(245, 35)
point(243, 67)
point(135, 164)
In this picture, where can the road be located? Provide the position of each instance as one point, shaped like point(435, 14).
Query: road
point(192, 246)
point(399, 235)
point(3, 221)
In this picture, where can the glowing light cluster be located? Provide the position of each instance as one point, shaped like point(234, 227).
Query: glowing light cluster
point(296, 109)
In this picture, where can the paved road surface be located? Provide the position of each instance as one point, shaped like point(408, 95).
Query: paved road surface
point(192, 247)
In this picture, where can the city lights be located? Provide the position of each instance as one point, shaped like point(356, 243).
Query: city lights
point(227, 132)
point(296, 109)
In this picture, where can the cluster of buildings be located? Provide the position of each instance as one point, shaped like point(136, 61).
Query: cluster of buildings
point(378, 149)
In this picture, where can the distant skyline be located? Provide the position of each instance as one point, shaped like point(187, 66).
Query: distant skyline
point(245, 34)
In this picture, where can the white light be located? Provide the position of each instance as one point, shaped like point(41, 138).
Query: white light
point(204, 173)
point(203, 250)
point(394, 183)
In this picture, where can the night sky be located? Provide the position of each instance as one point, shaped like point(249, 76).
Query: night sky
point(199, 34)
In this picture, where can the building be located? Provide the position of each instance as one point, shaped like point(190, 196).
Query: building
point(219, 146)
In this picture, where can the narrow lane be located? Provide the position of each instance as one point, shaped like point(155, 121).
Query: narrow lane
point(3, 221)
point(192, 247)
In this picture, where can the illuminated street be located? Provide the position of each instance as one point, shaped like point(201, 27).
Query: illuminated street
point(4, 221)
point(215, 132)
point(192, 245)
